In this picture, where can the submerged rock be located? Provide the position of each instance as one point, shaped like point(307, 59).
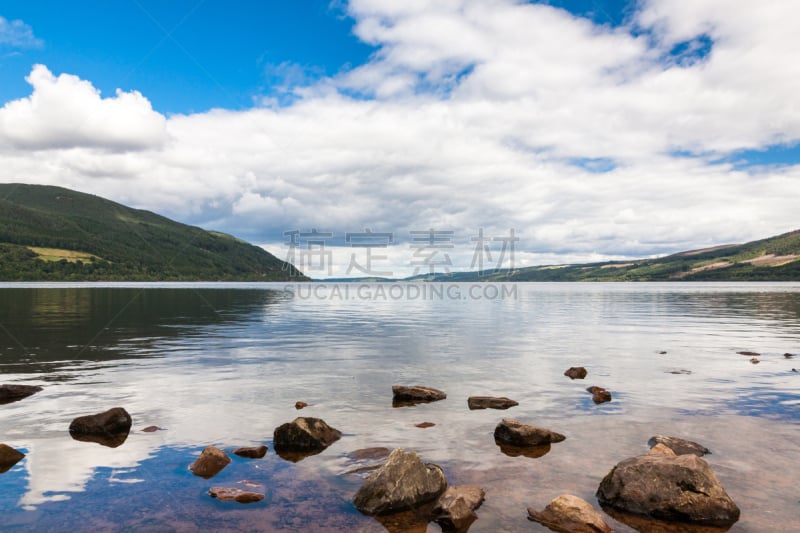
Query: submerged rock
point(210, 463)
point(152, 429)
point(14, 393)
point(679, 446)
point(302, 437)
point(749, 353)
point(403, 483)
point(788, 355)
point(252, 452)
point(490, 402)
point(599, 394)
point(424, 425)
point(661, 485)
point(532, 452)
point(9, 457)
point(455, 509)
point(570, 514)
point(402, 395)
point(234, 494)
point(109, 428)
point(755, 360)
point(515, 433)
point(576, 372)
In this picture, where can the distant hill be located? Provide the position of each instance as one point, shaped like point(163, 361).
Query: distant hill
point(772, 259)
point(56, 234)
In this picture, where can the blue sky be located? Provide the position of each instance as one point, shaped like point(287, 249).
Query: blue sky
point(595, 129)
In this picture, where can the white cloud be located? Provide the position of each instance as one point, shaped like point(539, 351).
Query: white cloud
point(495, 114)
point(17, 34)
point(67, 112)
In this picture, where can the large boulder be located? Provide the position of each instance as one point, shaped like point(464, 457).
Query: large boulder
point(455, 509)
point(679, 446)
point(210, 463)
point(664, 486)
point(490, 402)
point(9, 457)
point(304, 435)
point(402, 395)
point(570, 514)
point(109, 428)
point(515, 433)
point(404, 482)
point(14, 393)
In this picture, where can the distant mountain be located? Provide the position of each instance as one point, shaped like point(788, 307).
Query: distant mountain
point(56, 234)
point(772, 259)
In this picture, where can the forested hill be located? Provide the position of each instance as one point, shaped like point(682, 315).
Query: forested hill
point(56, 234)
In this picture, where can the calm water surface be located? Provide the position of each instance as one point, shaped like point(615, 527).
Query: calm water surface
point(223, 364)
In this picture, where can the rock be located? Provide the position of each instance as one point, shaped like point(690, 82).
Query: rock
point(679, 371)
point(114, 422)
point(369, 453)
point(570, 514)
point(490, 402)
point(365, 460)
point(576, 372)
point(515, 433)
point(532, 452)
point(794, 370)
point(455, 509)
point(599, 394)
point(755, 361)
point(404, 482)
point(253, 452)
point(788, 355)
point(402, 396)
point(424, 425)
point(9, 457)
point(234, 494)
point(660, 449)
point(152, 429)
point(300, 405)
point(210, 462)
point(15, 393)
point(679, 446)
point(679, 488)
point(748, 353)
point(304, 434)
point(662, 352)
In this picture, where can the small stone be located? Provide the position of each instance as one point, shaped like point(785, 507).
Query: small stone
point(152, 429)
point(9, 457)
point(455, 509)
point(599, 394)
point(424, 425)
point(490, 402)
point(679, 446)
point(300, 405)
point(210, 463)
point(570, 514)
point(234, 494)
point(788, 355)
point(680, 372)
point(253, 452)
point(305, 434)
point(576, 372)
point(754, 360)
point(515, 433)
point(748, 353)
point(662, 352)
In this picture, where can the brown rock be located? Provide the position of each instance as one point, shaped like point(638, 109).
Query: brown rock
point(302, 437)
point(253, 452)
point(599, 394)
point(234, 494)
point(424, 425)
point(300, 405)
point(490, 402)
point(532, 452)
point(152, 429)
point(788, 355)
point(576, 372)
point(210, 462)
point(681, 488)
point(114, 422)
point(679, 446)
point(404, 482)
point(515, 433)
point(369, 453)
point(15, 393)
point(455, 509)
point(402, 396)
point(570, 514)
point(9, 457)
point(754, 360)
point(748, 353)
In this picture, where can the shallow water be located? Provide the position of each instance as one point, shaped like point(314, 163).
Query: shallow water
point(223, 364)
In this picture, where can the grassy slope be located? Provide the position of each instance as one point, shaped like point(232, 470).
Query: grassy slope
point(132, 244)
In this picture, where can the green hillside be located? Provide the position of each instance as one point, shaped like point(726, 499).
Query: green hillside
point(772, 259)
point(56, 234)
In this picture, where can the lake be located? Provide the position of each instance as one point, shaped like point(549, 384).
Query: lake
point(224, 364)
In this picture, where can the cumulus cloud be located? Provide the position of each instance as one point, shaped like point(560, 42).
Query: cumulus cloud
point(17, 34)
point(590, 141)
point(66, 112)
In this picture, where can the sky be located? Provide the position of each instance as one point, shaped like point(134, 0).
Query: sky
point(460, 133)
